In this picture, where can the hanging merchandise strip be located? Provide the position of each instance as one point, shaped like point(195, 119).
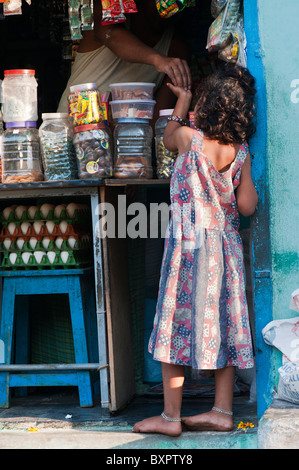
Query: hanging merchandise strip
point(113, 11)
point(80, 17)
point(168, 8)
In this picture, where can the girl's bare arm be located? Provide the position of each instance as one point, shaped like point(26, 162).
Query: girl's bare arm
point(246, 194)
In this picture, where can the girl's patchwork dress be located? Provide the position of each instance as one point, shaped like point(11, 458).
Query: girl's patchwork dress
point(202, 317)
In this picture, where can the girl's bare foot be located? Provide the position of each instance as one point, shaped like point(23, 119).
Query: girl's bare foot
point(159, 425)
point(211, 421)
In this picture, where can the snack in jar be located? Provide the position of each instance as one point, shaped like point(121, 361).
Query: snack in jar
point(94, 151)
point(165, 158)
point(133, 149)
point(132, 91)
point(57, 147)
point(85, 104)
point(21, 161)
point(139, 109)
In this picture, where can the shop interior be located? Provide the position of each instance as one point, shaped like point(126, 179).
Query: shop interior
point(40, 39)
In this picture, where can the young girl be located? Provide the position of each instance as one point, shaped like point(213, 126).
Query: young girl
point(202, 318)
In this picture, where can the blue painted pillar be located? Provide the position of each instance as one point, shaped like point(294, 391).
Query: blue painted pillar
point(273, 58)
point(260, 225)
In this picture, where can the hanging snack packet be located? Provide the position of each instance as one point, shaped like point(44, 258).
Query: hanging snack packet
point(112, 12)
point(168, 8)
point(217, 6)
point(74, 19)
point(129, 6)
point(220, 30)
point(86, 14)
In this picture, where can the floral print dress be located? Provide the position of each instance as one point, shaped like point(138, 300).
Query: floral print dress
point(201, 318)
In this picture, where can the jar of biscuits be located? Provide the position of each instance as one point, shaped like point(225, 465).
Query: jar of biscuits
point(21, 160)
point(133, 148)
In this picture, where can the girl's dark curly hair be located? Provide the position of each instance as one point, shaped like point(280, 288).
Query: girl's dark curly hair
point(224, 108)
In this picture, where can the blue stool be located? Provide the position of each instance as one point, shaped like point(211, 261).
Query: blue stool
point(24, 283)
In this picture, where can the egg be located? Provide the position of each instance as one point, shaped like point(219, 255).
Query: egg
point(19, 211)
point(72, 241)
point(24, 227)
point(50, 226)
point(38, 225)
point(58, 210)
point(38, 255)
point(71, 208)
point(7, 243)
point(11, 227)
point(64, 255)
point(63, 226)
point(46, 208)
point(51, 256)
point(32, 210)
point(59, 242)
point(26, 257)
point(20, 243)
point(7, 211)
point(13, 258)
point(32, 242)
point(46, 242)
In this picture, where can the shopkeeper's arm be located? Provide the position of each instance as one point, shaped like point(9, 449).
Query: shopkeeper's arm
point(129, 47)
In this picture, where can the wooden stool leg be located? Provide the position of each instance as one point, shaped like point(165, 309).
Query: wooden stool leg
point(7, 328)
point(79, 336)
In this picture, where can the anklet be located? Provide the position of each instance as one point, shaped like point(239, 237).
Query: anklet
point(170, 419)
point(230, 413)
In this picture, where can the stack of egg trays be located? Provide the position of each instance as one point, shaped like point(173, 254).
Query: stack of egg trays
point(79, 255)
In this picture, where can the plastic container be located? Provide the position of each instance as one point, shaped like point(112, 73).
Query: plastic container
point(138, 109)
point(132, 91)
point(164, 158)
point(57, 147)
point(1, 137)
point(19, 95)
point(85, 105)
point(133, 149)
point(94, 151)
point(21, 162)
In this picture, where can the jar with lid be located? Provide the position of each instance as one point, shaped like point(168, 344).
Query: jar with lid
point(19, 95)
point(94, 150)
point(1, 136)
point(57, 147)
point(21, 162)
point(133, 149)
point(165, 159)
point(85, 105)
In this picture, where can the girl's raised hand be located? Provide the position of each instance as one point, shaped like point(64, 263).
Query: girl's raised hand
point(180, 92)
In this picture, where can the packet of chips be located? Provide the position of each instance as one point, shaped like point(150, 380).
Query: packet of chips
point(220, 31)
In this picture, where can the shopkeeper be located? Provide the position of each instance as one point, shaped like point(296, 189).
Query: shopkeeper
point(146, 48)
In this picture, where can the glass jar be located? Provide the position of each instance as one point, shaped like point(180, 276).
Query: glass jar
point(85, 106)
point(94, 151)
point(133, 149)
point(57, 148)
point(164, 158)
point(21, 162)
point(19, 95)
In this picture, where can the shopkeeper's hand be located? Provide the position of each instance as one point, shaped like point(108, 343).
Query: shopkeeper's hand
point(176, 69)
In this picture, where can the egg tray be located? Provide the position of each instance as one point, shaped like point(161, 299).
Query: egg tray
point(80, 244)
point(79, 217)
point(71, 230)
point(75, 260)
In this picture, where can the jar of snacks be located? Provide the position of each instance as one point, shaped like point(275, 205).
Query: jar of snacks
point(165, 159)
point(21, 162)
point(85, 105)
point(19, 95)
point(94, 150)
point(57, 147)
point(133, 149)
